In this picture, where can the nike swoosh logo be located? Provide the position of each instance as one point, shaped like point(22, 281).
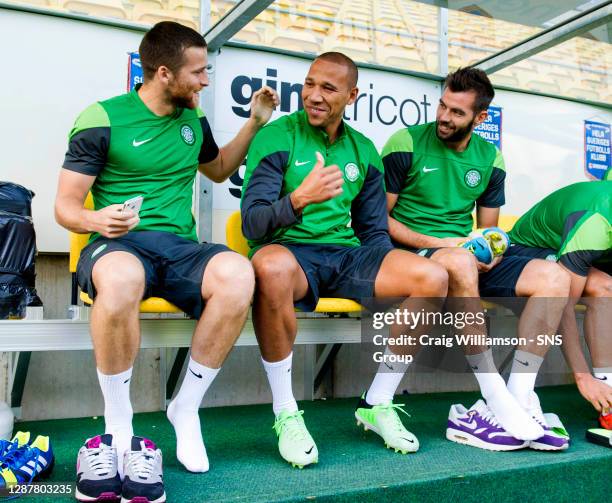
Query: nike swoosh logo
point(427, 170)
point(297, 163)
point(604, 378)
point(139, 143)
point(408, 440)
point(127, 380)
point(471, 424)
point(309, 450)
point(522, 363)
point(199, 376)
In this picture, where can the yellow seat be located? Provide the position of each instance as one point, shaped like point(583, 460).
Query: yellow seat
point(506, 222)
point(237, 242)
point(79, 241)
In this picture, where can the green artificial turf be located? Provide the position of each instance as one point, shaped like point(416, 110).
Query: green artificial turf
point(353, 464)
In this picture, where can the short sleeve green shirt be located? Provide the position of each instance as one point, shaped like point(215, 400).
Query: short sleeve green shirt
point(131, 151)
point(438, 187)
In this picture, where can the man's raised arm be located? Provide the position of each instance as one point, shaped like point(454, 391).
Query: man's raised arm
point(230, 156)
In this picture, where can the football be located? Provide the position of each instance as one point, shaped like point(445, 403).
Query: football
point(486, 244)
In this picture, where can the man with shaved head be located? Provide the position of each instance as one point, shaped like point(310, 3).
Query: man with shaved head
point(313, 210)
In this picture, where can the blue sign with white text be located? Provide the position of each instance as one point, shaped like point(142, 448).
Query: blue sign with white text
point(134, 71)
point(491, 128)
point(597, 158)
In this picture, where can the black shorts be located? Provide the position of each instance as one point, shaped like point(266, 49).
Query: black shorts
point(603, 264)
point(531, 251)
point(337, 271)
point(174, 266)
point(498, 282)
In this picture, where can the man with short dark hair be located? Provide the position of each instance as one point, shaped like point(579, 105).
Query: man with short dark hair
point(435, 174)
point(152, 142)
point(313, 209)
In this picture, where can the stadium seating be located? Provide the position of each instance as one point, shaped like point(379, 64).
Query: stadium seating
point(395, 33)
point(45, 4)
point(189, 7)
point(99, 8)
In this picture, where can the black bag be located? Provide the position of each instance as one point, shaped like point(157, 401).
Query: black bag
point(17, 251)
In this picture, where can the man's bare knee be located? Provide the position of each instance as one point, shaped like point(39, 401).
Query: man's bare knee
point(460, 264)
point(433, 280)
point(229, 276)
point(544, 278)
point(599, 284)
point(119, 279)
point(273, 268)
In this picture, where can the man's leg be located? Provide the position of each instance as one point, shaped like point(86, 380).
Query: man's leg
point(227, 289)
point(546, 285)
point(119, 279)
point(598, 318)
point(464, 296)
point(280, 282)
point(403, 274)
point(424, 285)
point(597, 323)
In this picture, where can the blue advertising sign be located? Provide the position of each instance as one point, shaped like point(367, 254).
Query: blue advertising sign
point(134, 71)
point(597, 158)
point(491, 128)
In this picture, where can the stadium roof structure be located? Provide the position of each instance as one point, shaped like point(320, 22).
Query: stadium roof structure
point(557, 48)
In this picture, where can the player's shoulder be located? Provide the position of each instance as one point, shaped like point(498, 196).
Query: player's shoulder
point(92, 117)
point(117, 104)
point(485, 149)
point(104, 113)
point(361, 140)
point(277, 130)
point(95, 115)
point(408, 139)
point(400, 141)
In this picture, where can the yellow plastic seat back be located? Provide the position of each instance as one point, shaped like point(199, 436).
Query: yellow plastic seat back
point(506, 222)
point(237, 242)
point(233, 234)
point(79, 241)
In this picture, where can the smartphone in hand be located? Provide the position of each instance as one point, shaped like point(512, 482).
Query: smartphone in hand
point(133, 204)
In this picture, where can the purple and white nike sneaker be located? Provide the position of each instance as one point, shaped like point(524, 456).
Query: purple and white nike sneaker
point(555, 436)
point(479, 428)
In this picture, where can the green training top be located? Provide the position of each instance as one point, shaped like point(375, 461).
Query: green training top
point(575, 221)
point(131, 151)
point(437, 187)
point(281, 155)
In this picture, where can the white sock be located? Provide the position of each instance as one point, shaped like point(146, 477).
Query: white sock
point(387, 379)
point(503, 404)
point(489, 380)
point(118, 411)
point(279, 377)
point(521, 383)
point(183, 414)
point(603, 374)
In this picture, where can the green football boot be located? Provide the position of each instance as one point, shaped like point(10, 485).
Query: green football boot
point(384, 420)
point(295, 444)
